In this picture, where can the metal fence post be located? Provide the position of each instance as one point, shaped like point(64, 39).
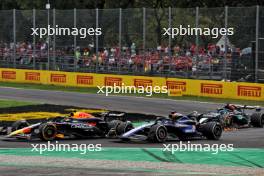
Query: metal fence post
point(257, 44)
point(144, 38)
point(226, 47)
point(144, 31)
point(170, 40)
point(120, 35)
point(74, 39)
point(14, 38)
point(54, 39)
point(48, 43)
point(97, 15)
point(34, 40)
point(197, 36)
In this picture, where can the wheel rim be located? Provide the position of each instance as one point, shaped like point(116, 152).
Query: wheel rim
point(217, 131)
point(162, 133)
point(49, 132)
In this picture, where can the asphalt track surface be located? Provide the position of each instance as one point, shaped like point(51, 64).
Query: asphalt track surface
point(246, 138)
point(122, 103)
point(251, 137)
point(243, 138)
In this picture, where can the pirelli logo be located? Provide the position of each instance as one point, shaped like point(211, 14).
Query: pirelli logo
point(111, 81)
point(32, 76)
point(175, 92)
point(142, 82)
point(85, 80)
point(171, 85)
point(249, 91)
point(8, 74)
point(58, 78)
point(215, 89)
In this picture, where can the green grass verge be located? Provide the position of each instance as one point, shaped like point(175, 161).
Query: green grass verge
point(10, 103)
point(95, 89)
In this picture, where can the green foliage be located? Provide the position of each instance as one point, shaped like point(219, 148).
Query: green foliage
point(90, 4)
point(183, 12)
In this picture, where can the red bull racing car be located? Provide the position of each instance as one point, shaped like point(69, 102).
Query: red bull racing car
point(78, 125)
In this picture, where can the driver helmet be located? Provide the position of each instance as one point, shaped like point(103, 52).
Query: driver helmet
point(175, 115)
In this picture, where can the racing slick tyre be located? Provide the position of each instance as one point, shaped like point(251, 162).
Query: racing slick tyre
point(257, 120)
point(112, 126)
point(157, 133)
point(47, 131)
point(212, 130)
point(114, 123)
point(123, 127)
point(19, 125)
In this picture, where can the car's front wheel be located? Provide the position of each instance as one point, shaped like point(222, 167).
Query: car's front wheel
point(157, 133)
point(47, 131)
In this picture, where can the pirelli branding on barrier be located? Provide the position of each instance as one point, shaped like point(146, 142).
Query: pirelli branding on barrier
point(32, 76)
point(84, 80)
point(249, 91)
point(213, 89)
point(111, 81)
point(9, 75)
point(178, 85)
point(175, 92)
point(58, 78)
point(142, 82)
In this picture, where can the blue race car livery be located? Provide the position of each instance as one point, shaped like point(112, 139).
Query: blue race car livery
point(182, 128)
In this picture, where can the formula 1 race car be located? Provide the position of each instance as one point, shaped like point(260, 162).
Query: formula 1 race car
point(176, 126)
point(233, 116)
point(62, 127)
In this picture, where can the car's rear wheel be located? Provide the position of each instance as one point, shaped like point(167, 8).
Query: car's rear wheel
point(157, 133)
point(112, 126)
point(123, 127)
point(114, 123)
point(212, 130)
point(19, 125)
point(47, 131)
point(257, 120)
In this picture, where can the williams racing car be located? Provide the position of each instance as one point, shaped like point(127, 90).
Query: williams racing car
point(77, 125)
point(177, 126)
point(233, 116)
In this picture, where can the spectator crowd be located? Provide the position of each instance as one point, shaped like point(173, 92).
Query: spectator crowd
point(131, 59)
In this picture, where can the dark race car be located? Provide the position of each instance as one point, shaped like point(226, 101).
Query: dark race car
point(177, 126)
point(233, 116)
point(76, 127)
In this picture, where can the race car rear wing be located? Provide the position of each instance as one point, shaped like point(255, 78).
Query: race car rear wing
point(114, 115)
